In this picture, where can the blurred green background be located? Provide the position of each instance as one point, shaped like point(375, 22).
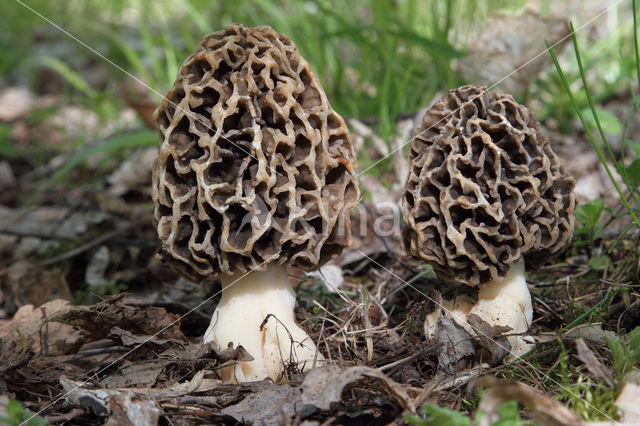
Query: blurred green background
point(379, 61)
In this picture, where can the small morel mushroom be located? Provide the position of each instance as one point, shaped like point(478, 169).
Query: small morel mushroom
point(255, 172)
point(485, 194)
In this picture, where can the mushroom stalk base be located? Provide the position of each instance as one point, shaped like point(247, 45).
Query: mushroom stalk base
point(247, 300)
point(506, 303)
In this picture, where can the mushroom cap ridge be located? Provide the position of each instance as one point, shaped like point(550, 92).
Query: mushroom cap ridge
point(484, 188)
point(254, 165)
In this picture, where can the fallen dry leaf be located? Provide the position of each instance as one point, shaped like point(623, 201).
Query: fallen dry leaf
point(491, 338)
point(129, 339)
point(324, 385)
point(98, 320)
point(628, 400)
point(358, 128)
point(238, 353)
point(74, 390)
point(542, 408)
point(126, 405)
point(454, 343)
point(591, 333)
point(137, 373)
point(267, 404)
point(592, 363)
point(29, 333)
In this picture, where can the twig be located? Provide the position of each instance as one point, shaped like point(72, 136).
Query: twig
point(44, 338)
point(195, 399)
point(403, 360)
point(67, 417)
point(188, 410)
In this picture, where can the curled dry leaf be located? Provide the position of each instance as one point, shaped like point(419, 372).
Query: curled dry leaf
point(544, 409)
point(592, 363)
point(129, 339)
point(591, 333)
point(324, 385)
point(124, 405)
point(98, 320)
point(30, 333)
point(142, 373)
point(628, 399)
point(454, 343)
point(238, 353)
point(491, 338)
point(74, 391)
point(267, 404)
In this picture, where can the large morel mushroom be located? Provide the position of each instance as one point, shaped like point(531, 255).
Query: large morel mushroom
point(484, 195)
point(256, 172)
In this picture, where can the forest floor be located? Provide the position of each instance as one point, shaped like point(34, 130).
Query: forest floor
point(94, 329)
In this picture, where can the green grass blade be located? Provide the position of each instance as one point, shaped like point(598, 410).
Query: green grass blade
point(114, 144)
point(69, 75)
point(601, 156)
point(197, 18)
point(635, 40)
point(594, 111)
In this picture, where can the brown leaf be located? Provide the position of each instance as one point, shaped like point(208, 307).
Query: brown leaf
point(628, 399)
point(129, 339)
point(324, 385)
point(125, 406)
point(118, 415)
point(30, 333)
point(491, 338)
point(98, 320)
point(544, 409)
point(594, 366)
point(139, 373)
point(75, 390)
point(268, 403)
point(454, 344)
point(234, 354)
point(591, 333)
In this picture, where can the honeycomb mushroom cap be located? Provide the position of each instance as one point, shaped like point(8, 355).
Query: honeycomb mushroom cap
point(484, 188)
point(254, 166)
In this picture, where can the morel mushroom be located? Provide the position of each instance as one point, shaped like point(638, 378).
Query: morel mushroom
point(484, 195)
point(256, 172)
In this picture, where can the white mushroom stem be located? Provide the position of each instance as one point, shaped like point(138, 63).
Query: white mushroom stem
point(247, 299)
point(506, 302)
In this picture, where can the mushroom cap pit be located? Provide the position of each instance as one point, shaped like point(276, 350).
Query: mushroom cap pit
point(484, 188)
point(254, 166)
